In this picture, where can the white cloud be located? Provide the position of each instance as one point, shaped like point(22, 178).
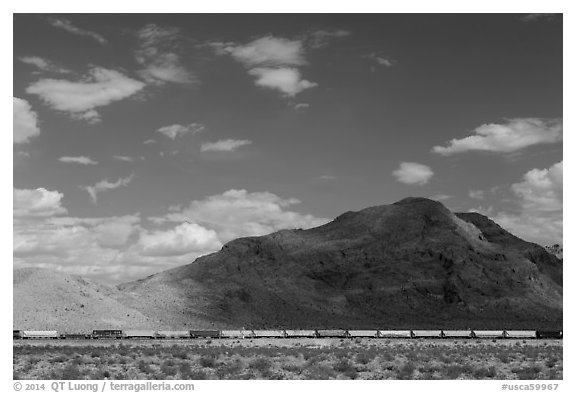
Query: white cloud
point(156, 54)
point(286, 80)
point(267, 51)
point(224, 145)
point(69, 27)
point(105, 185)
point(413, 173)
point(302, 106)
point(149, 141)
point(273, 61)
point(320, 38)
point(537, 17)
point(176, 130)
point(25, 121)
point(124, 158)
point(476, 194)
point(515, 135)
point(80, 98)
point(441, 197)
point(43, 64)
point(237, 213)
point(78, 160)
point(540, 205)
point(38, 203)
point(183, 239)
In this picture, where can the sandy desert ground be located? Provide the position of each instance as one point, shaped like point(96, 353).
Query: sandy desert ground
point(317, 359)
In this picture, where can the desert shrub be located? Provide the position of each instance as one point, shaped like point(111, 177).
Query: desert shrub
point(207, 361)
point(551, 362)
point(529, 372)
point(120, 376)
point(167, 368)
point(406, 371)
point(71, 372)
point(232, 369)
point(260, 364)
point(292, 368)
point(485, 373)
point(364, 357)
point(144, 367)
point(58, 359)
point(319, 372)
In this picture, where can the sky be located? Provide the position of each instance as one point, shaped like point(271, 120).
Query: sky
point(144, 141)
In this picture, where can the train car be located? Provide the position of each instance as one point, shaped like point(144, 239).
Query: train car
point(362, 333)
point(40, 334)
point(549, 334)
point(173, 334)
point(488, 333)
point(300, 333)
point(427, 333)
point(457, 333)
point(232, 333)
point(395, 333)
point(340, 333)
point(114, 334)
point(520, 333)
point(76, 336)
point(205, 334)
point(269, 333)
point(16, 334)
point(140, 334)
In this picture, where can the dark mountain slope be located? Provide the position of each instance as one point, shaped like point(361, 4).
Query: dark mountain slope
point(412, 264)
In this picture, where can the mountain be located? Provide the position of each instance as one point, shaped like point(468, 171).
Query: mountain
point(412, 264)
point(557, 250)
point(49, 300)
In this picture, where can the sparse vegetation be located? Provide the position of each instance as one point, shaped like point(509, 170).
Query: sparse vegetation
point(291, 359)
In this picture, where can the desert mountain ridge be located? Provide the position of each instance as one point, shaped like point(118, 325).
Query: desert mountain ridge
point(411, 264)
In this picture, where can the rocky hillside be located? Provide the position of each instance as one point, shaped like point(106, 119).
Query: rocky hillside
point(49, 300)
point(411, 264)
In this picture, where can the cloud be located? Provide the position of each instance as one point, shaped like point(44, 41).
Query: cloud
point(38, 203)
point(441, 197)
point(476, 194)
point(25, 121)
point(43, 64)
point(149, 141)
point(301, 106)
point(540, 206)
point(267, 51)
point(78, 160)
point(156, 53)
point(321, 38)
point(79, 99)
point(273, 61)
point(176, 130)
point(237, 213)
point(286, 80)
point(537, 17)
point(380, 60)
point(413, 173)
point(515, 135)
point(105, 185)
point(69, 27)
point(183, 239)
point(224, 145)
point(124, 158)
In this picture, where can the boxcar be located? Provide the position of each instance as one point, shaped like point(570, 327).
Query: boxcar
point(520, 333)
point(427, 333)
point(269, 333)
point(107, 334)
point(40, 334)
point(488, 333)
point(300, 333)
point(395, 333)
point(363, 333)
point(232, 333)
point(16, 334)
point(457, 333)
point(548, 333)
point(332, 333)
point(140, 334)
point(76, 336)
point(171, 334)
point(205, 334)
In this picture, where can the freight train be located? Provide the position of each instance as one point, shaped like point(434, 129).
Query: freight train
point(116, 334)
